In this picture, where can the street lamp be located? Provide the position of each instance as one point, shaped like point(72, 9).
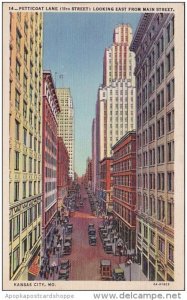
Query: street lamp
point(58, 248)
point(54, 266)
point(130, 263)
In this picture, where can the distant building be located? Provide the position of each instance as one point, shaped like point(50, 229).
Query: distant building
point(49, 162)
point(154, 47)
point(124, 188)
point(115, 108)
point(62, 172)
point(105, 184)
point(25, 144)
point(66, 125)
point(94, 155)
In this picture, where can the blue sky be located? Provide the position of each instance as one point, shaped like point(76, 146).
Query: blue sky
point(74, 46)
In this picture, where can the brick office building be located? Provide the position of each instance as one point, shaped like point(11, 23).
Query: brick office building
point(124, 187)
point(62, 171)
point(105, 184)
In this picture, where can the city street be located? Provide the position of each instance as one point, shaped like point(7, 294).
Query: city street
point(85, 259)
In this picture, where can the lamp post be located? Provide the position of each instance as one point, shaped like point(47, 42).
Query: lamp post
point(130, 263)
point(54, 266)
point(58, 248)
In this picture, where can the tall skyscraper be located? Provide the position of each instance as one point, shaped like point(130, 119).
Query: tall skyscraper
point(153, 45)
point(118, 63)
point(94, 155)
point(25, 147)
point(66, 124)
point(115, 108)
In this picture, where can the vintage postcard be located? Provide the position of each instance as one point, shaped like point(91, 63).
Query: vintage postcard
point(93, 146)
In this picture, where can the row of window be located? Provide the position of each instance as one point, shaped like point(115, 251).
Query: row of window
point(129, 197)
point(164, 154)
point(21, 222)
point(128, 148)
point(151, 236)
point(127, 180)
point(149, 135)
point(128, 164)
point(26, 244)
point(164, 181)
point(28, 164)
point(157, 208)
point(160, 97)
point(29, 188)
point(125, 213)
point(25, 137)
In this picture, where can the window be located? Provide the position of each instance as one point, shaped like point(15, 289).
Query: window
point(168, 33)
point(25, 109)
point(161, 182)
point(16, 167)
point(145, 231)
point(170, 214)
point(17, 130)
point(24, 220)
point(160, 127)
point(152, 237)
point(170, 151)
point(30, 140)
point(24, 246)
point(34, 187)
point(30, 216)
point(16, 259)
point(35, 235)
point(170, 88)
point(24, 163)
point(16, 226)
point(25, 55)
point(39, 230)
point(30, 164)
point(18, 66)
point(30, 240)
point(24, 136)
point(170, 181)
point(30, 117)
point(31, 93)
point(160, 154)
point(24, 189)
point(16, 191)
point(161, 245)
point(34, 165)
point(17, 99)
point(30, 188)
point(170, 121)
point(171, 252)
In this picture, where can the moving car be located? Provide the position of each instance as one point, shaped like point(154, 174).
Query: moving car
point(118, 274)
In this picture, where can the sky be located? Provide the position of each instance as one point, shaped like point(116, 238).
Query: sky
point(74, 45)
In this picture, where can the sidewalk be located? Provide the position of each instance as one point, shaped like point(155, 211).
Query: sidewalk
point(135, 273)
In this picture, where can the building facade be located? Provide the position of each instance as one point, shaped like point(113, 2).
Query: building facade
point(105, 185)
point(94, 156)
point(124, 188)
point(62, 172)
point(49, 162)
point(153, 45)
point(66, 124)
point(115, 108)
point(25, 143)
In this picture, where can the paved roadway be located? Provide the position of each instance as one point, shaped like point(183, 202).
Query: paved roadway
point(85, 259)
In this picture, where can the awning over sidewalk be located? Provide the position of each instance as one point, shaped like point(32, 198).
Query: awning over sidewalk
point(34, 268)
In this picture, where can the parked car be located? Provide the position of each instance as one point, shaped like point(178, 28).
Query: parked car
point(67, 248)
point(92, 232)
point(108, 248)
point(63, 274)
point(92, 240)
point(118, 274)
point(65, 264)
point(90, 226)
point(105, 269)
